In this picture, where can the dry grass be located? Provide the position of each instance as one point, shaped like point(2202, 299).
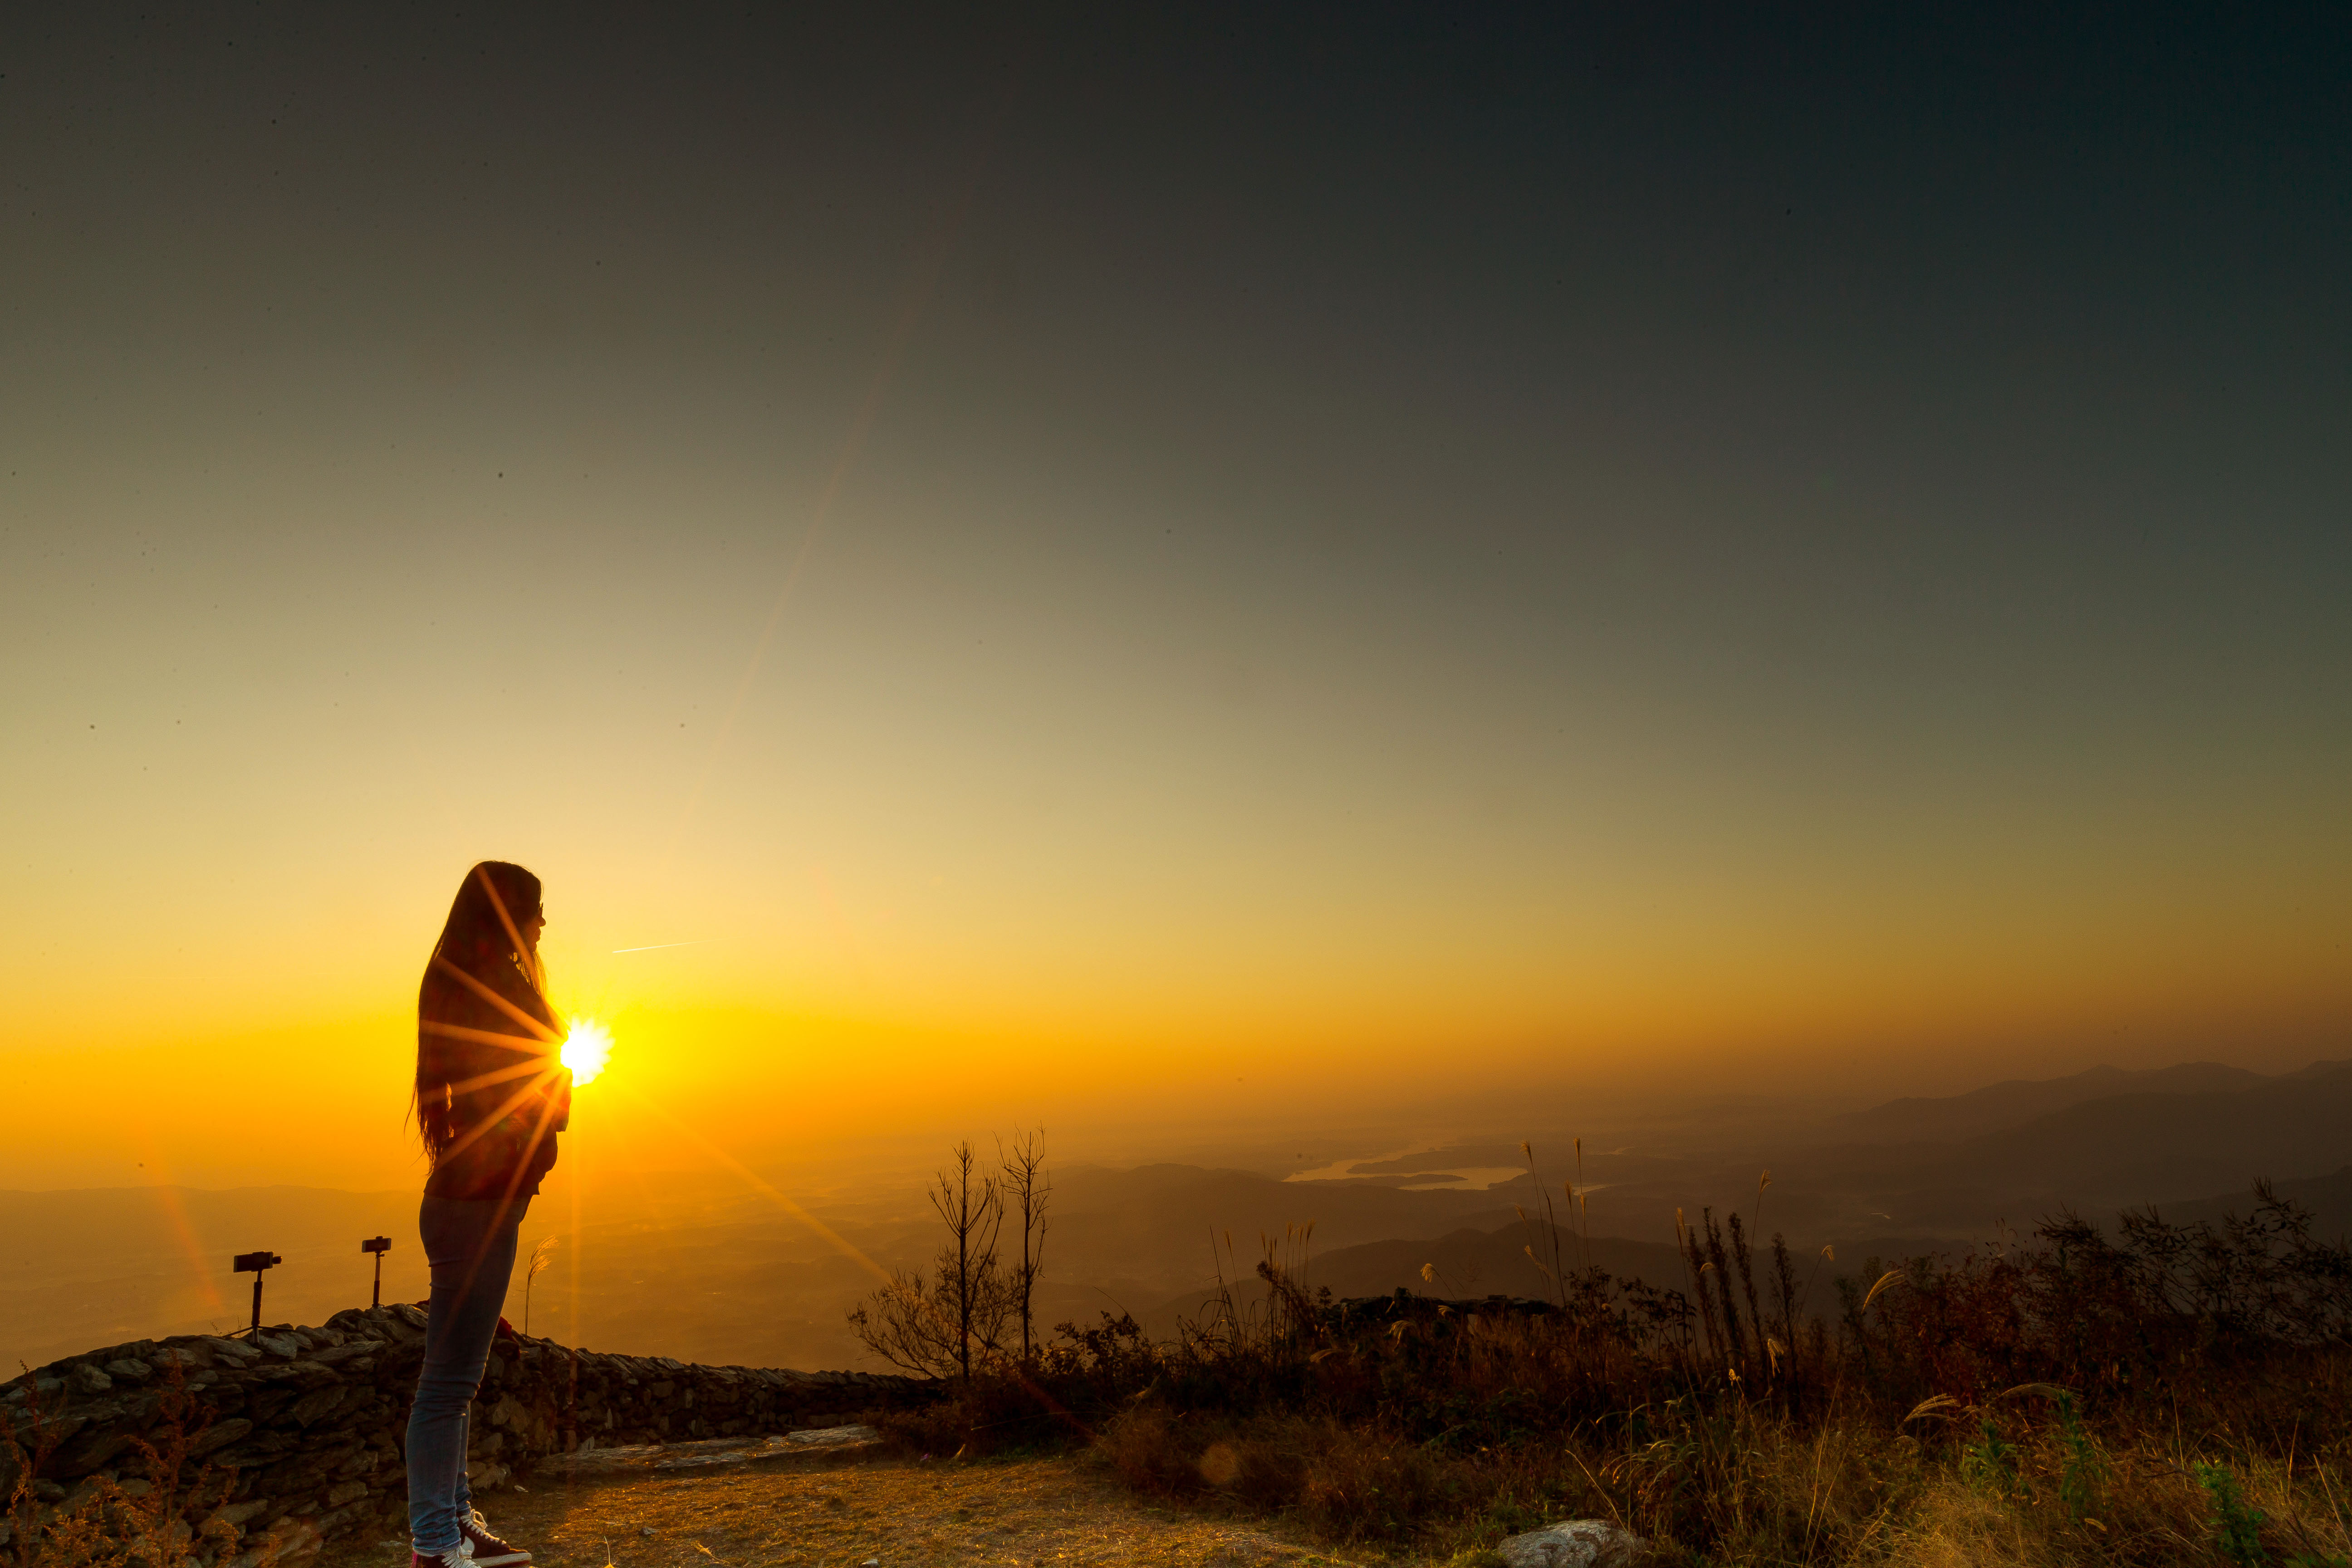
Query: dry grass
point(2167, 1395)
point(1056, 1512)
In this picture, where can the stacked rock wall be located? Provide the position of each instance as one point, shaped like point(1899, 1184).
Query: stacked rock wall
point(306, 1427)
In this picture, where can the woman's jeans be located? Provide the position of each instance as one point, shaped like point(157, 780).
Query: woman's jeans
point(471, 1246)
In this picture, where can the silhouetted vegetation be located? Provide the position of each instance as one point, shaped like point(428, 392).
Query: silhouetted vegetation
point(1027, 1191)
point(2163, 1395)
point(967, 1311)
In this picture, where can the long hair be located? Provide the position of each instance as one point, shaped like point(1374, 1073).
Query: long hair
point(483, 942)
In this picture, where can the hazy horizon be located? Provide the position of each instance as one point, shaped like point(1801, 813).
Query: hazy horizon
point(719, 1262)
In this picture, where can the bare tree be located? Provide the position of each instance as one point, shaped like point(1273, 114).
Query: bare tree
point(974, 1215)
point(933, 1327)
point(1026, 1187)
point(910, 1324)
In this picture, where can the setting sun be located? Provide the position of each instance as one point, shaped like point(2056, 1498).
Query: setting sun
point(586, 1048)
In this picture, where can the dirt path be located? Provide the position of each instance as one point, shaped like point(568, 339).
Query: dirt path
point(1033, 1513)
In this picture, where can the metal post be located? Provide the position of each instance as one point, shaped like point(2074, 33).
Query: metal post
point(379, 1245)
point(253, 1263)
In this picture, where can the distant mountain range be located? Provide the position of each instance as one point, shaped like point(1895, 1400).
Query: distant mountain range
point(2016, 1101)
point(2166, 1144)
point(1940, 1170)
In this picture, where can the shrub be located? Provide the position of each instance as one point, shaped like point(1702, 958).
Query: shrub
point(2237, 1528)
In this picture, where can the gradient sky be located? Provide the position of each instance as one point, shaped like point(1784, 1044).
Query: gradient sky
point(1082, 559)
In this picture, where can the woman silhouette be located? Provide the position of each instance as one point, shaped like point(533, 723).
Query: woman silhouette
point(490, 1099)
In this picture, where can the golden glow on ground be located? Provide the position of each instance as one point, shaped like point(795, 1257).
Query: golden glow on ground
point(585, 1049)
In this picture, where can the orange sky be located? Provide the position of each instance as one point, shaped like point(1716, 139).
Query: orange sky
point(1021, 614)
point(860, 999)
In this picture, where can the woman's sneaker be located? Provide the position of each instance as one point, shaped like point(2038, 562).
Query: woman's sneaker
point(485, 1550)
point(458, 1556)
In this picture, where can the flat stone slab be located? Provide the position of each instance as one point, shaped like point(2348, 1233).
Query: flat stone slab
point(832, 1436)
point(708, 1452)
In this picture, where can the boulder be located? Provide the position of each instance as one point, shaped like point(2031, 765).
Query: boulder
point(1578, 1544)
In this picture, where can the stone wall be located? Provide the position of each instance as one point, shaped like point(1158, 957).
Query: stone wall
point(307, 1425)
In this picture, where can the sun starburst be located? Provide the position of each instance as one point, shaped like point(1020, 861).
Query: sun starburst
point(586, 1048)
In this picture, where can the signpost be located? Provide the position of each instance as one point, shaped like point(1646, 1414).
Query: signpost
point(379, 1245)
point(253, 1263)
